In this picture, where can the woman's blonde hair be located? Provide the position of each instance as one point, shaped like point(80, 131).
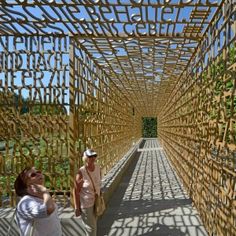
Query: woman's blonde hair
point(84, 158)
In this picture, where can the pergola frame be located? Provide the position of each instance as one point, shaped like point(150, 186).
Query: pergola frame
point(94, 68)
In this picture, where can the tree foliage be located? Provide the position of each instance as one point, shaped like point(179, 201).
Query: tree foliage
point(149, 129)
point(10, 100)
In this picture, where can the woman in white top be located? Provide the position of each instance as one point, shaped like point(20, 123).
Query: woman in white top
point(36, 212)
point(84, 195)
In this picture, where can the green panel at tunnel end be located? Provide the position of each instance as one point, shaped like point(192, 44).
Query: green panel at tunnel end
point(149, 127)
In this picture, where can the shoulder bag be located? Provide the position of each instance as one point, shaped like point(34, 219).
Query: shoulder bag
point(99, 204)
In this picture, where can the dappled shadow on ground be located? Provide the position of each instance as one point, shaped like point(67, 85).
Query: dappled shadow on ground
point(160, 229)
point(7, 221)
point(150, 201)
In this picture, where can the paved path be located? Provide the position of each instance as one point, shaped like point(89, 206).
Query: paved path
point(150, 201)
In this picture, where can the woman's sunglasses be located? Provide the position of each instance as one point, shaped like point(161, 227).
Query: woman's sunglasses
point(32, 175)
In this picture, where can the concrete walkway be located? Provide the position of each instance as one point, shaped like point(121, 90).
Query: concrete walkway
point(150, 200)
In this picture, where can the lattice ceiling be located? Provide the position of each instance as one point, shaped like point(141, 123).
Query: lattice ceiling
point(143, 45)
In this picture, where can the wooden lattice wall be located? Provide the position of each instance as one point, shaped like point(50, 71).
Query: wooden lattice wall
point(198, 127)
point(127, 59)
point(33, 110)
point(103, 117)
point(52, 107)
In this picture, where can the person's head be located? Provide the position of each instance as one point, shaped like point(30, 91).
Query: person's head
point(89, 154)
point(27, 177)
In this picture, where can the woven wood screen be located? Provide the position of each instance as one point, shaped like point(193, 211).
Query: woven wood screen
point(54, 102)
point(34, 106)
point(198, 126)
point(77, 74)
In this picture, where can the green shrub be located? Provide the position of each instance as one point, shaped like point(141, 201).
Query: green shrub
point(149, 129)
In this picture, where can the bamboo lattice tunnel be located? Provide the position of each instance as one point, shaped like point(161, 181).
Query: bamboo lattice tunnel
point(83, 73)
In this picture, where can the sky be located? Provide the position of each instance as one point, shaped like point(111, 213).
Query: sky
point(51, 56)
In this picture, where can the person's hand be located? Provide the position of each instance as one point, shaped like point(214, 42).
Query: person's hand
point(77, 212)
point(37, 190)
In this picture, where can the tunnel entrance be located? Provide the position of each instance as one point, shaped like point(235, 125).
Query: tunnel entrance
point(149, 127)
